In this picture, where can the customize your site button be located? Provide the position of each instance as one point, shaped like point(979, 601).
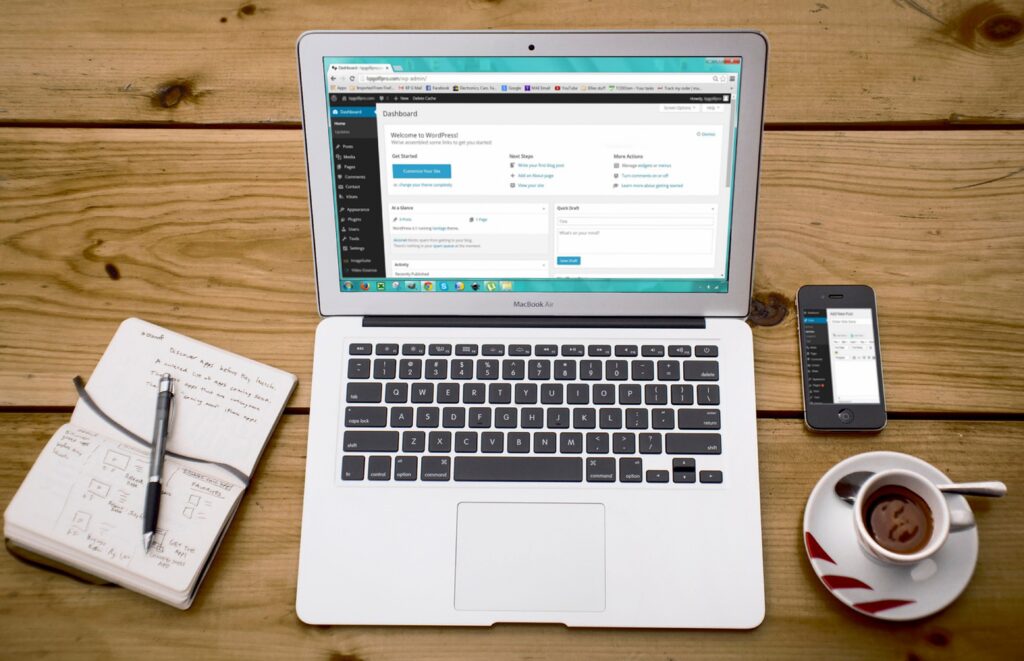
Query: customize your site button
point(419, 171)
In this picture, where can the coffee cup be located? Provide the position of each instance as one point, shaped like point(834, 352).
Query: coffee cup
point(902, 518)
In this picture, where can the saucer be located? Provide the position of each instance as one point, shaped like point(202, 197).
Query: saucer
point(883, 591)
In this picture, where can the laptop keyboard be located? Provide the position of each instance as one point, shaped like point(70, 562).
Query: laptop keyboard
point(531, 413)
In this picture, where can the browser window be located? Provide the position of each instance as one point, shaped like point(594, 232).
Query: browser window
point(533, 174)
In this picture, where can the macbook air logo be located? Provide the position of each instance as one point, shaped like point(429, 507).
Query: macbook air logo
point(533, 304)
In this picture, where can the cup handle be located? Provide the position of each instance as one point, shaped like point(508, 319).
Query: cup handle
point(961, 520)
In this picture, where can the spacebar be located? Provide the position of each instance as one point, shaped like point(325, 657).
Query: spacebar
point(518, 469)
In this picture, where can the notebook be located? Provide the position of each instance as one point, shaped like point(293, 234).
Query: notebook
point(81, 503)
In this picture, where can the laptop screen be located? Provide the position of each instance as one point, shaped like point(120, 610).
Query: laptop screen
point(533, 174)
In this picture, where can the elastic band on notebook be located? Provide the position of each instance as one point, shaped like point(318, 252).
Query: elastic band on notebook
point(85, 397)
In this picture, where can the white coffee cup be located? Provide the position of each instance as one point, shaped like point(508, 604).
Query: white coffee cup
point(944, 520)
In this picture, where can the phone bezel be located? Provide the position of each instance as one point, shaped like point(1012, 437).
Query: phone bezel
point(825, 417)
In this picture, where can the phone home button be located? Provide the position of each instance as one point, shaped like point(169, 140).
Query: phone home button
point(845, 416)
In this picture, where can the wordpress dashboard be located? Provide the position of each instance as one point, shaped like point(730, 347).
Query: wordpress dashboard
point(533, 174)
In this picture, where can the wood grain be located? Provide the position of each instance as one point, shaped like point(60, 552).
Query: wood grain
point(207, 232)
point(956, 61)
point(246, 607)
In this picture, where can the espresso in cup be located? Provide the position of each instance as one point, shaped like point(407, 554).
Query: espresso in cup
point(898, 519)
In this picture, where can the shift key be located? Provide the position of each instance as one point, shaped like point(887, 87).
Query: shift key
point(370, 441)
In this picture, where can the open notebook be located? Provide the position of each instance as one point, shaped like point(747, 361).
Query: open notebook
point(81, 503)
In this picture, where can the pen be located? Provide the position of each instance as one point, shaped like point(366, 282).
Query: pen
point(165, 393)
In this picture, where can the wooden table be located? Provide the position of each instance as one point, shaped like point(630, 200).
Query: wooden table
point(151, 165)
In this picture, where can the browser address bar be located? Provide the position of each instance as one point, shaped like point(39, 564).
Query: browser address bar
point(569, 77)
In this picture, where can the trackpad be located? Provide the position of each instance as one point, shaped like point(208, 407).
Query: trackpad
point(530, 557)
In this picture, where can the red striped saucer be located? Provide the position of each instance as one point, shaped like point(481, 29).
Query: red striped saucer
point(867, 585)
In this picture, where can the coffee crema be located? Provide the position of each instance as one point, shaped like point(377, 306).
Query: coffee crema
point(898, 519)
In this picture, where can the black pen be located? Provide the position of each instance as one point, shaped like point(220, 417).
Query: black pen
point(165, 393)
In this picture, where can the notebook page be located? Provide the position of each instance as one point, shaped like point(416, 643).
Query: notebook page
point(225, 405)
point(86, 492)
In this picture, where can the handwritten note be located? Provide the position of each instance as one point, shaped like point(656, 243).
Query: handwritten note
point(225, 405)
point(86, 493)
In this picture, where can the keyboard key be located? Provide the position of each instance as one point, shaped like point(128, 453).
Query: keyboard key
point(705, 351)
point(405, 468)
point(428, 417)
point(539, 370)
point(700, 419)
point(711, 477)
point(439, 350)
point(439, 441)
point(447, 393)
point(436, 469)
point(531, 418)
point(604, 393)
point(679, 351)
point(584, 418)
point(577, 393)
point(590, 370)
point(626, 351)
point(544, 442)
point(410, 368)
point(474, 393)
point(629, 393)
point(558, 418)
point(387, 350)
point(598, 443)
point(565, 370)
point(599, 350)
point(684, 470)
point(465, 441)
point(643, 370)
point(663, 419)
point(506, 417)
point(551, 393)
point(707, 394)
point(610, 418)
point(437, 368)
point(631, 469)
point(492, 441)
point(636, 418)
point(518, 469)
point(574, 350)
point(650, 443)
point(413, 349)
point(366, 416)
point(352, 467)
point(370, 441)
point(396, 393)
point(359, 368)
point(499, 393)
point(453, 417)
point(379, 468)
point(655, 394)
point(479, 417)
point(570, 442)
point(384, 368)
point(682, 395)
point(547, 349)
point(600, 470)
point(422, 393)
point(401, 416)
point(414, 441)
point(487, 370)
point(466, 349)
point(526, 393)
point(657, 476)
point(513, 370)
point(693, 443)
point(616, 370)
point(624, 443)
point(363, 392)
point(700, 370)
point(519, 350)
point(493, 350)
point(462, 368)
point(668, 370)
point(360, 349)
point(518, 441)
point(652, 350)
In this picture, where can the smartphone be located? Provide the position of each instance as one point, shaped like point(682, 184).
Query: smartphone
point(840, 360)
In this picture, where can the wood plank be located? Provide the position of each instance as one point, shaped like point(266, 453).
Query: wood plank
point(197, 62)
point(207, 232)
point(246, 606)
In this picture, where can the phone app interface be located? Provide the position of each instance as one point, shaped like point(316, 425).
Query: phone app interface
point(840, 356)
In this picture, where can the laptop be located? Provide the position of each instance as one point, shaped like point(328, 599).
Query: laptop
point(533, 385)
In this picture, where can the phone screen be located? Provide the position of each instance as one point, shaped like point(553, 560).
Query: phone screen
point(840, 356)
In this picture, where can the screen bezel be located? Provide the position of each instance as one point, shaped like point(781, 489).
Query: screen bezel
point(825, 417)
point(314, 46)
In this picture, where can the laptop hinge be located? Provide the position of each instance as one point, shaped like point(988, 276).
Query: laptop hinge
point(532, 322)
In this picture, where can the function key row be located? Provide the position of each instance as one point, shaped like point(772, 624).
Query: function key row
point(536, 369)
point(568, 350)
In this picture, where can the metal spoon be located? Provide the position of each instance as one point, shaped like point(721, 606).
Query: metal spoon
point(849, 485)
